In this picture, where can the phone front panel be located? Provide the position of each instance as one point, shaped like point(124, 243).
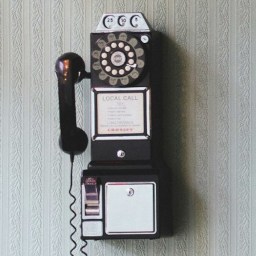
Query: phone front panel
point(121, 96)
point(120, 188)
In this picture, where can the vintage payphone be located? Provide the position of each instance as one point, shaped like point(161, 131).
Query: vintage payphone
point(120, 187)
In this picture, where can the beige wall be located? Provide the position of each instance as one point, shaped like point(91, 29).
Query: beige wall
point(209, 53)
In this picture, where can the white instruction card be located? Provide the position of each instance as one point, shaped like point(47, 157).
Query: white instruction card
point(120, 113)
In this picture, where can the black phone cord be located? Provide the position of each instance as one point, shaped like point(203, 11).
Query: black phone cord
point(70, 207)
point(74, 213)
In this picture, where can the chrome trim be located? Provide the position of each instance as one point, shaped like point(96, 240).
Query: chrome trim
point(148, 107)
point(113, 25)
point(83, 198)
point(93, 131)
point(147, 111)
point(154, 206)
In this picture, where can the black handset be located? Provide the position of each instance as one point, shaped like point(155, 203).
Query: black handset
point(70, 69)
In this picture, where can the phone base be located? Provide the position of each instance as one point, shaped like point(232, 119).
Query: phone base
point(117, 205)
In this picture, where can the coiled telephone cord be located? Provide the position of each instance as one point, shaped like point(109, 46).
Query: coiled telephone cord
point(83, 247)
point(74, 213)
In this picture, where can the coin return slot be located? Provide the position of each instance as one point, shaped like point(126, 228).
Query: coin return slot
point(92, 200)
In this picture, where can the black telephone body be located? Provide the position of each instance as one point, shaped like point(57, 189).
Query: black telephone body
point(120, 187)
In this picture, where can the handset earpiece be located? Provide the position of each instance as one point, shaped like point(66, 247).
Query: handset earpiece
point(70, 69)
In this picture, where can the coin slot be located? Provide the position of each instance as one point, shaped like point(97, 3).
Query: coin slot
point(122, 21)
point(109, 21)
point(135, 21)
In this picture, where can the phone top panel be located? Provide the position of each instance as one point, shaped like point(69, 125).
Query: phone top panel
point(111, 22)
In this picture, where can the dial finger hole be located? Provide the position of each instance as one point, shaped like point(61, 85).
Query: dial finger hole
point(108, 68)
point(104, 55)
point(114, 72)
point(131, 61)
point(127, 68)
point(121, 72)
point(107, 49)
point(121, 45)
point(130, 54)
point(127, 48)
point(104, 62)
point(113, 45)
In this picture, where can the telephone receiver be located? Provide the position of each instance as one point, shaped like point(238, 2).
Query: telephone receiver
point(70, 69)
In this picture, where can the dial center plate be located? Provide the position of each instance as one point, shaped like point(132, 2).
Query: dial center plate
point(118, 58)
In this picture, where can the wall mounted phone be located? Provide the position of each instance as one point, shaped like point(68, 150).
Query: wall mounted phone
point(120, 187)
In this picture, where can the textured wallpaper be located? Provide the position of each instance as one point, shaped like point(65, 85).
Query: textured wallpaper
point(209, 78)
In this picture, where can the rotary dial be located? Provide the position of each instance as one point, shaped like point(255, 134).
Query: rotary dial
point(119, 60)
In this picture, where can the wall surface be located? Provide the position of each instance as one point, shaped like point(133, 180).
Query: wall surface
point(209, 57)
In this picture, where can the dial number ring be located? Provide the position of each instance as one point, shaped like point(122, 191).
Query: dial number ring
point(122, 59)
point(118, 57)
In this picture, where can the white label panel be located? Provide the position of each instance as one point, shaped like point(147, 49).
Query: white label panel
point(130, 208)
point(92, 228)
point(120, 113)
